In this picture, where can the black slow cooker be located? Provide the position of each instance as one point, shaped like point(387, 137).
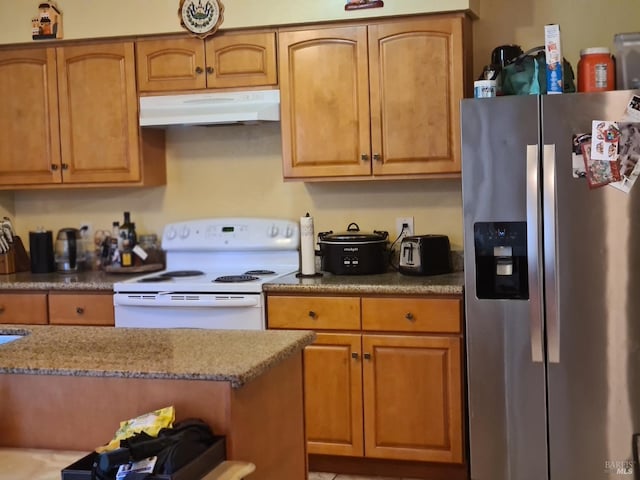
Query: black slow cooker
point(354, 252)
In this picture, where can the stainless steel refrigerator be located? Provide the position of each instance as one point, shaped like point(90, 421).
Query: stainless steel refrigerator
point(552, 292)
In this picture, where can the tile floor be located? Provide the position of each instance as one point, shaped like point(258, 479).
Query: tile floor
point(333, 476)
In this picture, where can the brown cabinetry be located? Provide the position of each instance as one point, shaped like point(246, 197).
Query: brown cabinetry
point(240, 59)
point(71, 119)
point(385, 380)
point(80, 308)
point(24, 308)
point(57, 308)
point(376, 100)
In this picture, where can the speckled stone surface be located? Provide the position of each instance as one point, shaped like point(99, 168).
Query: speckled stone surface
point(386, 283)
point(90, 280)
point(220, 355)
point(391, 283)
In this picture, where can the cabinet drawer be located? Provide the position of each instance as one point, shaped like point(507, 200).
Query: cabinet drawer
point(331, 313)
point(81, 309)
point(435, 315)
point(23, 308)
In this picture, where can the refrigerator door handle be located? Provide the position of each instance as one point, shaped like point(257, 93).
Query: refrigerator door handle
point(534, 245)
point(550, 251)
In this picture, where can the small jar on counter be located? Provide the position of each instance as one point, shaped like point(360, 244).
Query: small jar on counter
point(149, 243)
point(596, 70)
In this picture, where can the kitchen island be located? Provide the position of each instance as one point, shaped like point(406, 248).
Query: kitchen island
point(68, 388)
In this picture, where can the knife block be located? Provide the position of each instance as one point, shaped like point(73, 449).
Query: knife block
point(16, 259)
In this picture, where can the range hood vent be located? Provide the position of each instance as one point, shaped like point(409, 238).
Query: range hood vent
point(210, 108)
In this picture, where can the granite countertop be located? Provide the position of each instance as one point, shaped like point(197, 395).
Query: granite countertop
point(385, 283)
point(219, 355)
point(87, 280)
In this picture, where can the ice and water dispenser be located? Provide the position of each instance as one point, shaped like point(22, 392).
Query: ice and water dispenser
point(501, 260)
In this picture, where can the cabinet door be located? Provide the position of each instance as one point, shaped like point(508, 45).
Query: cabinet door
point(98, 113)
point(23, 308)
point(333, 395)
point(412, 398)
point(324, 94)
point(417, 82)
point(29, 132)
point(79, 308)
point(241, 60)
point(171, 64)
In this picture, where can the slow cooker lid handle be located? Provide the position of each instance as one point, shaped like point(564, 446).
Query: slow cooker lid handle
point(353, 227)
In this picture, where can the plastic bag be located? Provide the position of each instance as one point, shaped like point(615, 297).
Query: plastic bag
point(150, 423)
point(527, 74)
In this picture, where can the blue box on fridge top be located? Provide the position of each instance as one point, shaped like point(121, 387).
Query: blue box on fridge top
point(553, 56)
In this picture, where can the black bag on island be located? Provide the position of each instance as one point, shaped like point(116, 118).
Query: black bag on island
point(174, 448)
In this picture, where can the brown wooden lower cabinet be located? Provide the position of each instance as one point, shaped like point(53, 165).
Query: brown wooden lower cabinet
point(412, 398)
point(93, 308)
point(378, 394)
point(81, 308)
point(24, 308)
point(333, 395)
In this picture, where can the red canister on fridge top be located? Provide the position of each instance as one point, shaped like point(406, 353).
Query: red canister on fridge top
point(596, 70)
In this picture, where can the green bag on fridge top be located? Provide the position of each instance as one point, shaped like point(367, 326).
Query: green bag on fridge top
point(527, 74)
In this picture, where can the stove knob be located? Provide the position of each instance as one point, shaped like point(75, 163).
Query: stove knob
point(273, 231)
point(185, 232)
point(171, 233)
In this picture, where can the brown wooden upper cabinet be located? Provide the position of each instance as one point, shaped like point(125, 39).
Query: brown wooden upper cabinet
point(373, 101)
point(69, 116)
point(226, 60)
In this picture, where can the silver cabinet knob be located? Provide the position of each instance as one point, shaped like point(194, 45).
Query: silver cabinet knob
point(377, 157)
point(199, 70)
point(210, 70)
point(367, 356)
point(364, 157)
point(354, 355)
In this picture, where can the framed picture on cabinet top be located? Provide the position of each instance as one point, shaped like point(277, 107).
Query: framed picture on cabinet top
point(359, 4)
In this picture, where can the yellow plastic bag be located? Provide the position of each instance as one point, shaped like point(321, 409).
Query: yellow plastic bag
point(149, 423)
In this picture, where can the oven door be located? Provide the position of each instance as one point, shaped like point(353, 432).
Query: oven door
point(224, 311)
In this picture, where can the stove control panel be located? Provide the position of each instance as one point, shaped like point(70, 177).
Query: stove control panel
point(235, 233)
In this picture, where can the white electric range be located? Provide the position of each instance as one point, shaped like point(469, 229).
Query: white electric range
point(214, 273)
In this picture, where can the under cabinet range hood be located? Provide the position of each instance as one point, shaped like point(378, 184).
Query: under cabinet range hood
point(210, 108)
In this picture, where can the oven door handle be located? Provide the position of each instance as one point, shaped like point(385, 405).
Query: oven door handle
point(189, 300)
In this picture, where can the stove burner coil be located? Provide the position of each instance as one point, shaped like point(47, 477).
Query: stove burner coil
point(182, 273)
point(155, 278)
point(235, 278)
point(259, 272)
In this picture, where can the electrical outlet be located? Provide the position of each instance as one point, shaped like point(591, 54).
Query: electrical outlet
point(407, 224)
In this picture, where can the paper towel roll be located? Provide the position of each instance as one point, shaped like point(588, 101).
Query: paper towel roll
point(307, 248)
